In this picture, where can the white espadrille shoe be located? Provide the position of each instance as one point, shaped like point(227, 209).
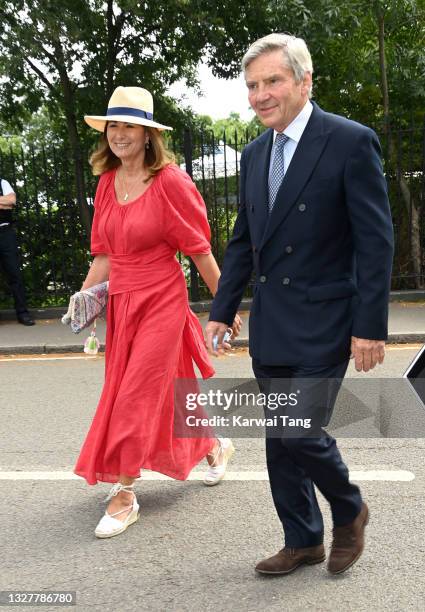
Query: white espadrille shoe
point(215, 473)
point(109, 526)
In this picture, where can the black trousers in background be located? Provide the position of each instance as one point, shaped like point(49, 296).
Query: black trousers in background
point(9, 260)
point(297, 464)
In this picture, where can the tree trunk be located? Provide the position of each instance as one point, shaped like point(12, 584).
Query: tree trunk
point(114, 26)
point(79, 163)
point(110, 59)
point(411, 208)
point(69, 107)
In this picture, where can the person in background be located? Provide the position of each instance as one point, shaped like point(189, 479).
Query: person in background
point(9, 254)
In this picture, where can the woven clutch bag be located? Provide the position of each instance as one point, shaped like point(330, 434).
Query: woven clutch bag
point(86, 306)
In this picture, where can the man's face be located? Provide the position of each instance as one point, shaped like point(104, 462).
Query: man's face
point(272, 91)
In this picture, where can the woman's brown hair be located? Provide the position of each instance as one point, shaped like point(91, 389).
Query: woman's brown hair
point(156, 155)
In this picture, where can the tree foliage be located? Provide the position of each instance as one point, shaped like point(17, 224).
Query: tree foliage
point(70, 55)
point(343, 37)
point(61, 60)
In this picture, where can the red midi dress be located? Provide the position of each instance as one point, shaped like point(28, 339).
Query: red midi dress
point(152, 335)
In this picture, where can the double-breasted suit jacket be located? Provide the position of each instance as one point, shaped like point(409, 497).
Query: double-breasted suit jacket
point(322, 258)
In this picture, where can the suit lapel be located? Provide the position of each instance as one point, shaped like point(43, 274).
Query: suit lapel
point(306, 156)
point(261, 188)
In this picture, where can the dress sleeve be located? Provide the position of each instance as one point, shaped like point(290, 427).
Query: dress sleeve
point(185, 214)
point(97, 244)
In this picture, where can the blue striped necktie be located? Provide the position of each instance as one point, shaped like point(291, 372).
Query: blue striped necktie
point(278, 169)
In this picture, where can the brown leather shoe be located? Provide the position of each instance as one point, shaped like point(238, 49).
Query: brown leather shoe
point(288, 559)
point(348, 543)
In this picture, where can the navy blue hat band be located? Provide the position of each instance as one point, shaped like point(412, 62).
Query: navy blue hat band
point(132, 112)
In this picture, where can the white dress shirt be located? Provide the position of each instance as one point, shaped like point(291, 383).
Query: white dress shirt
point(7, 189)
point(294, 131)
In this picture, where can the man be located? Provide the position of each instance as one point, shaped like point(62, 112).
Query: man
point(9, 256)
point(315, 226)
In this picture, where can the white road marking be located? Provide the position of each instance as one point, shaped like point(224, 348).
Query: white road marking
point(407, 347)
point(56, 358)
point(59, 357)
point(245, 475)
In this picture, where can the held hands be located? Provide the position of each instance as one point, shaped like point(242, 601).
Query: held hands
point(367, 353)
point(215, 328)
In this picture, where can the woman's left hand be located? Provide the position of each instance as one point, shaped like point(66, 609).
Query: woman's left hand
point(237, 326)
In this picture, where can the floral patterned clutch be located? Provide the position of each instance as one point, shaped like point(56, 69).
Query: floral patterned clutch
point(86, 306)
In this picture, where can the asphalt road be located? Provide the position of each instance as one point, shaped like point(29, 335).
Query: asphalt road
point(194, 547)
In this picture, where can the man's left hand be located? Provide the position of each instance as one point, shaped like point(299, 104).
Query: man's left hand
point(216, 328)
point(237, 326)
point(367, 353)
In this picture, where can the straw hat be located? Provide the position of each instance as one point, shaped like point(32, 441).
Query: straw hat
point(128, 104)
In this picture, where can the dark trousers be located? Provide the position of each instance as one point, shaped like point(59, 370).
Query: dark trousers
point(9, 260)
point(296, 464)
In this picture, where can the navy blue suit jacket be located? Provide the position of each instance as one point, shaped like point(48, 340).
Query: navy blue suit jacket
point(322, 259)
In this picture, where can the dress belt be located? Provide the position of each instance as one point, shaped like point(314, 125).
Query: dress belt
point(131, 272)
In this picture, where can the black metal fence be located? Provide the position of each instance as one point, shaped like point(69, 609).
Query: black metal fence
point(54, 243)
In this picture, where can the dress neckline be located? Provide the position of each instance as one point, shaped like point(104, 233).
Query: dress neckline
point(114, 195)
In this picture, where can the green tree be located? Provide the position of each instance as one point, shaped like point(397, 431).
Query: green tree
point(70, 55)
point(235, 129)
point(370, 64)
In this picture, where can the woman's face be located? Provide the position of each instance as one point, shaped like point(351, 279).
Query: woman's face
point(126, 140)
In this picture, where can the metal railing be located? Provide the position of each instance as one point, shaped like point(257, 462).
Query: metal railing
point(54, 244)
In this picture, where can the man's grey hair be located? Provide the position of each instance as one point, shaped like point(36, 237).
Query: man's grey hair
point(295, 53)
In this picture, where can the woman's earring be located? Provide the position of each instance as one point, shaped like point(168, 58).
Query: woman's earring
point(147, 144)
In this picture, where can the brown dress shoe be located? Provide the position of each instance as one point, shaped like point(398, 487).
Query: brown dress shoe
point(288, 559)
point(348, 543)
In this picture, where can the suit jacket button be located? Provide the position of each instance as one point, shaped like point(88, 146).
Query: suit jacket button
point(302, 207)
point(254, 248)
point(263, 279)
point(286, 280)
point(252, 209)
point(288, 249)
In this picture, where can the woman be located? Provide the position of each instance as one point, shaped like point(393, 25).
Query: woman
point(146, 209)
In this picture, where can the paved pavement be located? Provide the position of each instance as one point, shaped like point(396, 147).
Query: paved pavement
point(194, 547)
point(406, 324)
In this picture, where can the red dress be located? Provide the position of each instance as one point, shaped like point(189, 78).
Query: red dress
point(152, 335)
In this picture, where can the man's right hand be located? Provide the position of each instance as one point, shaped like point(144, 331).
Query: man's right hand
point(214, 328)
